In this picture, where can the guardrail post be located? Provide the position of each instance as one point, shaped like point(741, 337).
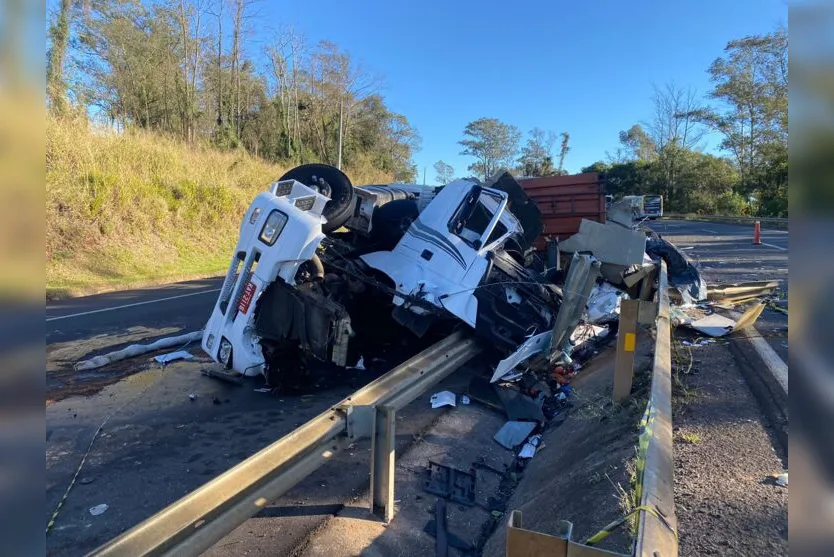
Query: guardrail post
point(383, 454)
point(626, 344)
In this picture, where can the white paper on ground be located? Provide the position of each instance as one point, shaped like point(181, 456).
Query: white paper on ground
point(443, 398)
point(99, 509)
point(171, 356)
point(713, 325)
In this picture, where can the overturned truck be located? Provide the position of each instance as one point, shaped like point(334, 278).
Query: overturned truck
point(321, 266)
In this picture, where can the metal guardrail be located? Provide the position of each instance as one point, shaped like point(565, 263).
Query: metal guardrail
point(767, 221)
point(657, 531)
point(193, 524)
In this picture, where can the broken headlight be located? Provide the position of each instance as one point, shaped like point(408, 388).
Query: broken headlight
point(273, 226)
point(225, 352)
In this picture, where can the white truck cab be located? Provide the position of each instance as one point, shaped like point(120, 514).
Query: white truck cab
point(456, 253)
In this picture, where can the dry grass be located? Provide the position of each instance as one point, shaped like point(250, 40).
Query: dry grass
point(137, 208)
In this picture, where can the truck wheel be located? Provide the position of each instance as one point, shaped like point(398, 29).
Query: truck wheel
point(331, 182)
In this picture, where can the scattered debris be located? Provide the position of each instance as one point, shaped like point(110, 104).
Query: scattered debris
point(444, 536)
point(738, 292)
point(264, 390)
point(716, 325)
point(682, 274)
point(517, 405)
point(782, 479)
point(137, 350)
point(513, 433)
point(443, 398)
point(172, 356)
point(604, 303)
point(530, 447)
point(192, 397)
point(464, 399)
point(699, 342)
point(99, 509)
point(360, 365)
point(451, 483)
point(610, 243)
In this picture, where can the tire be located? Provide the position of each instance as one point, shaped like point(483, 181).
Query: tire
point(338, 209)
point(390, 222)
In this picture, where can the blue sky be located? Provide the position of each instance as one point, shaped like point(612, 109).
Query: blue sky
point(582, 67)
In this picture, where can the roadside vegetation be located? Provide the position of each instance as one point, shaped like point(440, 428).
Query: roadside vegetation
point(166, 118)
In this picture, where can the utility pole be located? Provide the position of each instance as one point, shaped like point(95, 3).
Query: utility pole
point(341, 109)
point(424, 175)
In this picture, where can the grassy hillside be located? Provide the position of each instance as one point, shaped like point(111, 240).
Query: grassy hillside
point(136, 208)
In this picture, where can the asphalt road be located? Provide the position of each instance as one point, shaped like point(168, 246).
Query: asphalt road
point(725, 253)
point(186, 305)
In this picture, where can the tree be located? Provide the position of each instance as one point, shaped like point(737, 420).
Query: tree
point(563, 151)
point(493, 143)
point(536, 155)
point(59, 31)
point(637, 143)
point(444, 171)
point(751, 87)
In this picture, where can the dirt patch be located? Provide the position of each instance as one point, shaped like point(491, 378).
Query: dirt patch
point(585, 472)
point(725, 498)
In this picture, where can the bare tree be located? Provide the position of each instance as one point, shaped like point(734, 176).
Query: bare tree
point(673, 120)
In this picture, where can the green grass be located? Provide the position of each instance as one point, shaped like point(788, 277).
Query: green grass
point(689, 438)
point(135, 208)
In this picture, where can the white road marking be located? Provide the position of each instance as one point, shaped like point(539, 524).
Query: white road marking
point(774, 364)
point(772, 246)
point(48, 319)
point(710, 231)
point(777, 367)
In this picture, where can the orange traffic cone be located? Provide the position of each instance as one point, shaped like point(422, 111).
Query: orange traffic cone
point(757, 233)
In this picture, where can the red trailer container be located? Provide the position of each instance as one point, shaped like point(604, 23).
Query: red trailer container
point(564, 201)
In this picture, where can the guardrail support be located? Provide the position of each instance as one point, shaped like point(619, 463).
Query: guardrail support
point(383, 456)
point(626, 344)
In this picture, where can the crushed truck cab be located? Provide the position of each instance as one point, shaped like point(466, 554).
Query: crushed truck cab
point(411, 255)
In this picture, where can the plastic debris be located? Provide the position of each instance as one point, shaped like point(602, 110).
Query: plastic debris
point(263, 390)
point(464, 399)
point(513, 434)
point(782, 479)
point(530, 447)
point(99, 509)
point(443, 398)
point(192, 396)
point(172, 356)
point(360, 365)
point(604, 303)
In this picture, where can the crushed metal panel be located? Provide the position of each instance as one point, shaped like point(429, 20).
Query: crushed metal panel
point(610, 243)
point(582, 275)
